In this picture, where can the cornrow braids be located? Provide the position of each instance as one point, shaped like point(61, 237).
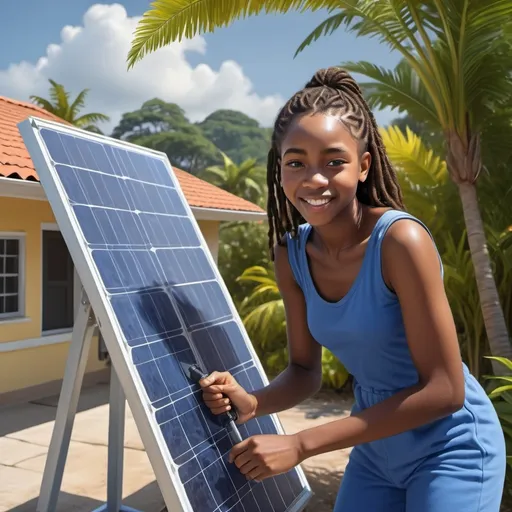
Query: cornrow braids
point(331, 91)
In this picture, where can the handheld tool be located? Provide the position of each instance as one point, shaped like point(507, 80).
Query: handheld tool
point(195, 373)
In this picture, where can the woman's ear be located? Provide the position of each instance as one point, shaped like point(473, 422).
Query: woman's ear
point(366, 162)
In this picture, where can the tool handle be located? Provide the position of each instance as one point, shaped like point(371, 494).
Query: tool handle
point(196, 374)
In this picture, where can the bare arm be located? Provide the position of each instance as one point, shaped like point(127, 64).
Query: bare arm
point(411, 268)
point(303, 376)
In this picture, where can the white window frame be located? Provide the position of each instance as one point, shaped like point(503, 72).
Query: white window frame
point(20, 314)
point(77, 285)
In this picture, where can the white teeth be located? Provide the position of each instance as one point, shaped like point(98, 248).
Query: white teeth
point(317, 202)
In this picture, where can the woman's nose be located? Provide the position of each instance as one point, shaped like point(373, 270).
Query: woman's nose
point(316, 180)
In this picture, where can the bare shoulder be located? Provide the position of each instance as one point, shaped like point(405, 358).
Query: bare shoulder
point(407, 235)
point(407, 250)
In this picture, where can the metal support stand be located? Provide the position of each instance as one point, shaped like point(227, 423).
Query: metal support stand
point(83, 332)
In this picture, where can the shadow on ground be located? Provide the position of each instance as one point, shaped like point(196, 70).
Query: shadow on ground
point(326, 404)
point(146, 499)
point(67, 502)
point(325, 485)
point(23, 416)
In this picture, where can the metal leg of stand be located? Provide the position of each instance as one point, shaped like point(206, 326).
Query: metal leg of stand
point(115, 444)
point(116, 429)
point(83, 331)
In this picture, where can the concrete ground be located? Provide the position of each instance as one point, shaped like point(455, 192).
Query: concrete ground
point(25, 432)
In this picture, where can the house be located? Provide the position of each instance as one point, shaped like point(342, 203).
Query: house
point(39, 287)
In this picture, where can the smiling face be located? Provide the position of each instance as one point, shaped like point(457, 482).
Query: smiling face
point(321, 166)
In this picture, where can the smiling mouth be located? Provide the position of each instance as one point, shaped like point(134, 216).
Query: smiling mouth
point(318, 202)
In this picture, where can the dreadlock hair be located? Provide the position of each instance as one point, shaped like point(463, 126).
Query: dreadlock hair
point(331, 91)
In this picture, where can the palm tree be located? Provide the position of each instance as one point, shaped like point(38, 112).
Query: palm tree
point(246, 180)
point(454, 75)
point(60, 106)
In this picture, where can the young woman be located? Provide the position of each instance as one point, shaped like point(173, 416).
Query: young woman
point(362, 277)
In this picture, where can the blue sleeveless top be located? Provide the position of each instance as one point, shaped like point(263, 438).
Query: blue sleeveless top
point(365, 329)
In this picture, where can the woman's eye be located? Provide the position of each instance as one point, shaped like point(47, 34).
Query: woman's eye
point(336, 163)
point(294, 165)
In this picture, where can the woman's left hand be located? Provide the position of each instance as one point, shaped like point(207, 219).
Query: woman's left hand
point(263, 456)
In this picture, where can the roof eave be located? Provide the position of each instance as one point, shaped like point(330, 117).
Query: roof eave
point(22, 189)
point(218, 214)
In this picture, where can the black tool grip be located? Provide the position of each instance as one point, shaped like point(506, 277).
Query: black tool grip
point(196, 374)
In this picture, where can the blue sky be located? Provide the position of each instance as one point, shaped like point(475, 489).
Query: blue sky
point(263, 47)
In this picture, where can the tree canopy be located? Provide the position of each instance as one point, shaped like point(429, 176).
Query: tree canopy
point(194, 146)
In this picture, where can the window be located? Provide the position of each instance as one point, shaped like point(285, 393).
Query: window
point(11, 282)
point(58, 285)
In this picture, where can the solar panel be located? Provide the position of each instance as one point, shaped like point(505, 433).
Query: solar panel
point(159, 301)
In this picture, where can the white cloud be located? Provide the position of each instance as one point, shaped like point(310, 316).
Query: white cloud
point(94, 56)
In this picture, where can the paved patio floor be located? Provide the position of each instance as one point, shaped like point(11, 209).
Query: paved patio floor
point(25, 432)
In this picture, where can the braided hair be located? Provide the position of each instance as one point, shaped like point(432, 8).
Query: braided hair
point(331, 91)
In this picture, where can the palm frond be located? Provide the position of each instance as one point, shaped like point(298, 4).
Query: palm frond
point(257, 274)
point(92, 118)
point(43, 103)
point(326, 28)
point(168, 21)
point(422, 174)
point(217, 173)
point(266, 320)
point(59, 96)
point(400, 88)
point(408, 153)
point(78, 103)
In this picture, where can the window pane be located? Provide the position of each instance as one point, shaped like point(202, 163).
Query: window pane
point(11, 304)
point(11, 285)
point(12, 247)
point(58, 273)
point(58, 259)
point(11, 265)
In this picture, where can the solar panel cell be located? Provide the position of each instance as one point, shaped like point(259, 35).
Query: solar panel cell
point(166, 299)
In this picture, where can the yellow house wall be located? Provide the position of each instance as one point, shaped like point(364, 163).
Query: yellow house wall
point(210, 231)
point(29, 367)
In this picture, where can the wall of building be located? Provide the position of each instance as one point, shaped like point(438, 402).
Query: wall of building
point(210, 230)
point(29, 360)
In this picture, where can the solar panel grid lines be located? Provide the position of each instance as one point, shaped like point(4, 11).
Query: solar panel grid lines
point(162, 303)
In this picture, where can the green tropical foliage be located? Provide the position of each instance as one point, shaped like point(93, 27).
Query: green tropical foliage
point(164, 127)
point(241, 245)
point(60, 105)
point(454, 76)
point(501, 396)
point(193, 146)
point(237, 135)
point(246, 180)
point(173, 20)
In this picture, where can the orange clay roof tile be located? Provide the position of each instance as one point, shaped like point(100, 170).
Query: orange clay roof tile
point(15, 162)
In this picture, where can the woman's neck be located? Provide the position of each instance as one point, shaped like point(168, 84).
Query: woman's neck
point(344, 231)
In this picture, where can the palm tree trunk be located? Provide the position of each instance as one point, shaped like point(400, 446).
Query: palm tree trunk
point(492, 312)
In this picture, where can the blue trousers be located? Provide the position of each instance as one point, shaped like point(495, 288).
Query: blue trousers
point(455, 464)
point(435, 487)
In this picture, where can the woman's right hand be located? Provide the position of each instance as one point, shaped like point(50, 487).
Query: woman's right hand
point(218, 384)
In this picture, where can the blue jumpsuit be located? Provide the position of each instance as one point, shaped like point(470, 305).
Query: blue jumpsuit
point(455, 464)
